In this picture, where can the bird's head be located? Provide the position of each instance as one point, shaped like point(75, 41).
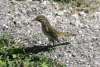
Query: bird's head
point(40, 18)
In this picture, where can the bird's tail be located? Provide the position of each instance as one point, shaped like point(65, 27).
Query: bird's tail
point(66, 34)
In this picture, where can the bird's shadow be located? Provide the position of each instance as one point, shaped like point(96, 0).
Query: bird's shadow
point(37, 49)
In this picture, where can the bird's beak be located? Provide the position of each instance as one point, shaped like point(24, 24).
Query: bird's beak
point(35, 21)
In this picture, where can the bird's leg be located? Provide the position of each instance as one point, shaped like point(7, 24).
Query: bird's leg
point(51, 40)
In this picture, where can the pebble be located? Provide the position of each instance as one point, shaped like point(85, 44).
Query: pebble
point(84, 46)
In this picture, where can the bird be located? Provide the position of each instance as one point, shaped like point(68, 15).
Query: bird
point(49, 31)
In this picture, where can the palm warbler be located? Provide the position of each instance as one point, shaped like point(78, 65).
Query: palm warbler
point(49, 31)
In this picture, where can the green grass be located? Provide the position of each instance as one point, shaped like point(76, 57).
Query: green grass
point(11, 55)
point(88, 6)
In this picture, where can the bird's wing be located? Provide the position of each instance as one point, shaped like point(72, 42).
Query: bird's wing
point(52, 32)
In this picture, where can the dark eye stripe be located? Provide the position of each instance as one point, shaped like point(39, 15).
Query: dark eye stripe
point(40, 18)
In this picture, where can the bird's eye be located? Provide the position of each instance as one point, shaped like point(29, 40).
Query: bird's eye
point(40, 19)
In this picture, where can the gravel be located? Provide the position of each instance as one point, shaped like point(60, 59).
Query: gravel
point(83, 50)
